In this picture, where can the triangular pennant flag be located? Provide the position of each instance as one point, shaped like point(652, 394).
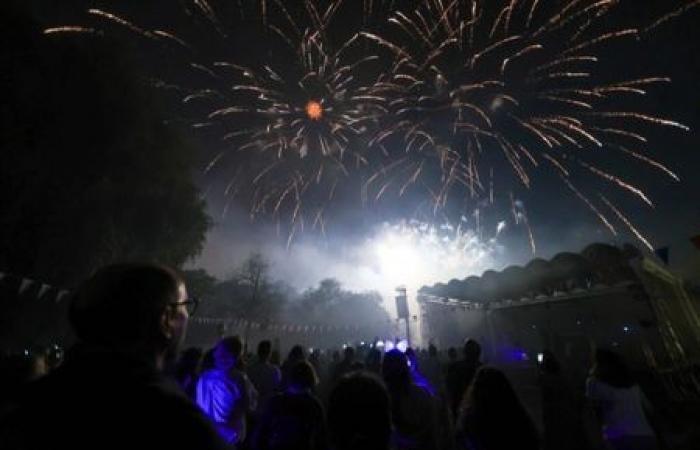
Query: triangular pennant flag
point(44, 288)
point(61, 294)
point(26, 282)
point(696, 241)
point(662, 253)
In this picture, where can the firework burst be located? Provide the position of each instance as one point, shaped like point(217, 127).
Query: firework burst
point(292, 122)
point(477, 87)
point(301, 131)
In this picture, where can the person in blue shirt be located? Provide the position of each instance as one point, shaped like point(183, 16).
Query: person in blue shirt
point(225, 394)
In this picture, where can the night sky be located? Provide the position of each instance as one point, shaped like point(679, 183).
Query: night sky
point(559, 221)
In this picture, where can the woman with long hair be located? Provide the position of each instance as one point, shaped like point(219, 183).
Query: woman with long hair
point(413, 408)
point(492, 416)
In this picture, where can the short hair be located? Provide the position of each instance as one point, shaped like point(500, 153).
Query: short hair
point(296, 353)
point(264, 349)
point(432, 350)
point(303, 375)
point(228, 350)
point(349, 352)
point(121, 305)
point(471, 349)
point(395, 369)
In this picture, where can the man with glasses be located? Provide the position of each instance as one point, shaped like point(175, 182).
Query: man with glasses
point(130, 319)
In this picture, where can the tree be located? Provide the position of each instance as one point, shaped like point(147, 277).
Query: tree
point(316, 299)
point(254, 274)
point(330, 304)
point(90, 172)
point(250, 293)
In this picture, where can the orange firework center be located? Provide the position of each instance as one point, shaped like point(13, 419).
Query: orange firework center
point(314, 110)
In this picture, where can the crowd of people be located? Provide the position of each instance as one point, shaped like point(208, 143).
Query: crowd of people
point(126, 384)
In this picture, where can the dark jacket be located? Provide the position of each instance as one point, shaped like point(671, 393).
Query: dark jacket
point(102, 399)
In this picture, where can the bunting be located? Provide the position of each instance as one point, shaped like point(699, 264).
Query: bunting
point(24, 285)
point(43, 290)
point(58, 295)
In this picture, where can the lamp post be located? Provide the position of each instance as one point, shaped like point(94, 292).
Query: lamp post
point(402, 310)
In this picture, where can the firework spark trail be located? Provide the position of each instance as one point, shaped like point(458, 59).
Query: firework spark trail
point(599, 39)
point(120, 21)
point(72, 29)
point(559, 166)
point(520, 214)
point(625, 133)
point(650, 161)
point(678, 12)
point(623, 184)
point(627, 222)
point(642, 117)
point(590, 205)
point(560, 61)
point(520, 53)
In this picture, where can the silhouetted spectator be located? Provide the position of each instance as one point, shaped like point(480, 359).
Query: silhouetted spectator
point(296, 354)
point(416, 374)
point(460, 374)
point(187, 370)
point(452, 355)
point(492, 416)
point(335, 358)
point(413, 409)
point(432, 369)
point(619, 403)
point(110, 393)
point(275, 357)
point(294, 419)
point(315, 360)
point(561, 413)
point(265, 376)
point(359, 413)
point(225, 394)
point(345, 366)
point(373, 361)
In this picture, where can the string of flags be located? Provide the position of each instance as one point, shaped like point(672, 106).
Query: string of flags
point(25, 285)
point(44, 291)
point(274, 326)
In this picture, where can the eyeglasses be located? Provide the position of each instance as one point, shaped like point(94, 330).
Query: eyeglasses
point(191, 305)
